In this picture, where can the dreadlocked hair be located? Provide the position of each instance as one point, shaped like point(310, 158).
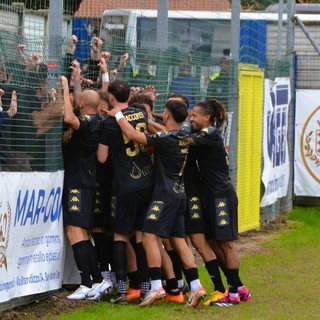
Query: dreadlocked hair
point(216, 110)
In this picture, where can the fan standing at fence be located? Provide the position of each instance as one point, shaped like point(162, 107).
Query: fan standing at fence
point(5, 115)
point(218, 87)
point(12, 109)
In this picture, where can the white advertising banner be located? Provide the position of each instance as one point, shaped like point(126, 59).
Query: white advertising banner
point(307, 144)
point(275, 173)
point(31, 233)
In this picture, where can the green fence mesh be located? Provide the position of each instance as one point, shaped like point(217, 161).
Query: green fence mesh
point(31, 59)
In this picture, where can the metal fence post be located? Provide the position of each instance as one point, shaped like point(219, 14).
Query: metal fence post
point(233, 95)
point(53, 150)
point(287, 202)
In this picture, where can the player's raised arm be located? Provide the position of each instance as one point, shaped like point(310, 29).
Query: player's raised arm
point(68, 116)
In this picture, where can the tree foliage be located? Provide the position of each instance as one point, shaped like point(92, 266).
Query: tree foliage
point(263, 4)
point(255, 5)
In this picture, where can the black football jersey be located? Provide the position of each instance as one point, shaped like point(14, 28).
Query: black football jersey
point(192, 179)
point(132, 167)
point(213, 162)
point(171, 149)
point(81, 152)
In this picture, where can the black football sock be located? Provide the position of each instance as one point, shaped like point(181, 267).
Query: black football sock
point(94, 269)
point(233, 280)
point(134, 280)
point(120, 264)
point(172, 287)
point(142, 267)
point(214, 273)
point(176, 263)
point(100, 240)
point(191, 274)
point(81, 257)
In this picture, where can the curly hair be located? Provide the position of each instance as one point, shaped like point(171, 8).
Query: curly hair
point(216, 110)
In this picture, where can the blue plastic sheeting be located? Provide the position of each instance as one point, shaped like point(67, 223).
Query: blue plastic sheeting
point(253, 42)
point(81, 28)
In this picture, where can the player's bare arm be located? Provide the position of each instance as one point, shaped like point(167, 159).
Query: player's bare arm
point(127, 129)
point(154, 127)
point(102, 153)
point(76, 76)
point(103, 65)
point(68, 116)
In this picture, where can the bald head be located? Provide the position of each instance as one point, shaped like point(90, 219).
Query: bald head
point(89, 100)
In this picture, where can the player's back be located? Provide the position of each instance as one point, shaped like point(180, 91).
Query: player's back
point(131, 160)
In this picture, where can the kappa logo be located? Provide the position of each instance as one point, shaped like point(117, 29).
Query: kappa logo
point(194, 199)
point(98, 201)
point(223, 222)
point(155, 208)
point(5, 222)
point(310, 144)
point(222, 213)
point(205, 130)
point(195, 216)
point(221, 204)
point(74, 191)
point(195, 207)
point(97, 210)
point(152, 216)
point(74, 199)
point(74, 208)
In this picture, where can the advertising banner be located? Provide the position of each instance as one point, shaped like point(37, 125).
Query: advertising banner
point(275, 174)
point(31, 233)
point(307, 144)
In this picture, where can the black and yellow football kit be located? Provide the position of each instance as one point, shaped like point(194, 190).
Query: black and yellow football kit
point(80, 173)
point(132, 171)
point(220, 199)
point(165, 215)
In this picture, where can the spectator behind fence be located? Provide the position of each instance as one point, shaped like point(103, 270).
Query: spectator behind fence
point(124, 70)
point(35, 117)
point(90, 67)
point(185, 84)
point(47, 119)
point(69, 57)
point(11, 112)
point(3, 72)
point(144, 76)
point(218, 87)
point(5, 117)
